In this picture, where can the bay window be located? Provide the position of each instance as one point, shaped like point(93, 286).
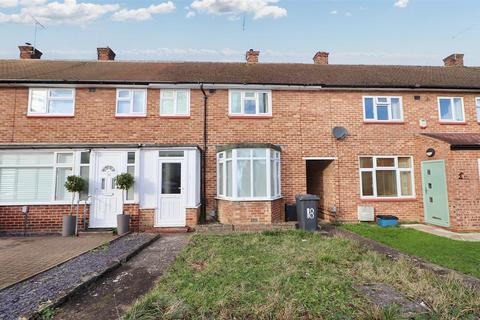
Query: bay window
point(51, 102)
point(250, 103)
point(35, 177)
point(248, 173)
point(386, 177)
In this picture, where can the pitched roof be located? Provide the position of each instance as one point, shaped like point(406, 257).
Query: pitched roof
point(457, 140)
point(361, 76)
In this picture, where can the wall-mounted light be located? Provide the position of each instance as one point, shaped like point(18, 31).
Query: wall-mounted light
point(430, 152)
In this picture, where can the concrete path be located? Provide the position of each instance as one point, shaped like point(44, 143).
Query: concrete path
point(23, 257)
point(111, 296)
point(473, 236)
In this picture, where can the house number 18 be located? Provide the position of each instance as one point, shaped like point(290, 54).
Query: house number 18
point(310, 213)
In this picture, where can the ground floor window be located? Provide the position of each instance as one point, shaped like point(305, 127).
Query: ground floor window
point(386, 177)
point(30, 177)
point(245, 174)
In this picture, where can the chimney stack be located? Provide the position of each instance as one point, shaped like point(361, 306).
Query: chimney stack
point(27, 51)
point(105, 54)
point(454, 60)
point(252, 56)
point(321, 57)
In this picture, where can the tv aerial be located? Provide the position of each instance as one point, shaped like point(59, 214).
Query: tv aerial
point(37, 24)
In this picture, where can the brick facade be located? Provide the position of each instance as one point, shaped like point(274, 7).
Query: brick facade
point(250, 212)
point(301, 124)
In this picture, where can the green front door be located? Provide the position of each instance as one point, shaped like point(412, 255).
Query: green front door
point(435, 198)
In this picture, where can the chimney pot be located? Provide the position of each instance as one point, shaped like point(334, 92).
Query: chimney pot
point(252, 56)
point(27, 51)
point(454, 60)
point(105, 54)
point(321, 57)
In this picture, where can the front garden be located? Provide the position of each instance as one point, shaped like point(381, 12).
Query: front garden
point(291, 275)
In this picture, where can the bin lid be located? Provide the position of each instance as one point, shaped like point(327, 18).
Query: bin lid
point(303, 197)
point(387, 217)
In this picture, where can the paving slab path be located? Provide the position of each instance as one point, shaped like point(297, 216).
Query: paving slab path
point(26, 298)
point(110, 296)
point(23, 257)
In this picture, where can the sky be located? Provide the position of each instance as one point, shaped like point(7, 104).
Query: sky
point(412, 32)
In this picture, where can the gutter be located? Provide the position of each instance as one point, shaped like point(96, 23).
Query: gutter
point(203, 214)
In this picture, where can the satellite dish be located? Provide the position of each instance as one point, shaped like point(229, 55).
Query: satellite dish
point(339, 133)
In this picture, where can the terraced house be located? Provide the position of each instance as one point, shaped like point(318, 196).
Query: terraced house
point(238, 139)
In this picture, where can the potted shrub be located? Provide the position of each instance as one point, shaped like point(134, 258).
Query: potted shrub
point(124, 182)
point(75, 185)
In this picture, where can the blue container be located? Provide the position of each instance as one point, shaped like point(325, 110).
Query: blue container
point(387, 221)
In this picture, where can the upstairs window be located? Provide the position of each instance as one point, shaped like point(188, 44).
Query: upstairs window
point(175, 103)
point(386, 177)
point(246, 174)
point(250, 103)
point(131, 102)
point(51, 102)
point(478, 109)
point(451, 109)
point(382, 109)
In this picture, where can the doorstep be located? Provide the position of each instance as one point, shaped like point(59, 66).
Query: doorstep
point(473, 236)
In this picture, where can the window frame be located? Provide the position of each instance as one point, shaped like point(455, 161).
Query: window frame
point(131, 114)
point(257, 105)
point(175, 114)
point(452, 121)
point(477, 108)
point(395, 168)
point(389, 105)
point(271, 155)
point(48, 99)
point(54, 166)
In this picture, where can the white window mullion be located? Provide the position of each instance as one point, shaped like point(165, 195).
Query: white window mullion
point(234, 174)
point(269, 162)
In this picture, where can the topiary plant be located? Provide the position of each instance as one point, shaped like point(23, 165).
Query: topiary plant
point(75, 184)
point(124, 182)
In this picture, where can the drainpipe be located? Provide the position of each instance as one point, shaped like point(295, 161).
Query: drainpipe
point(203, 214)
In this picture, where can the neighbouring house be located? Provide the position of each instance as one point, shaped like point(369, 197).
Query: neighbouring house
point(239, 139)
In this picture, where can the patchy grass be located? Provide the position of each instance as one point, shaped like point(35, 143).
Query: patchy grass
point(462, 256)
point(291, 275)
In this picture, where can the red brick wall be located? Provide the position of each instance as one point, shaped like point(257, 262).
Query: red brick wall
point(45, 218)
point(301, 124)
point(250, 212)
point(193, 214)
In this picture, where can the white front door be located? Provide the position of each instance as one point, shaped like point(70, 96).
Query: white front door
point(171, 207)
point(107, 200)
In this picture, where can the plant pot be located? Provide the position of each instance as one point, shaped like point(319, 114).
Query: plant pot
point(123, 221)
point(68, 225)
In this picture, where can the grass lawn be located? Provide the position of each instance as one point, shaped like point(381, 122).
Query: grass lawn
point(463, 256)
point(291, 275)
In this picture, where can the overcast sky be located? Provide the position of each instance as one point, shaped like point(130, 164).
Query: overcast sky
point(415, 32)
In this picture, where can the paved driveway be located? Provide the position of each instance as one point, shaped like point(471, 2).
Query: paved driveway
point(23, 257)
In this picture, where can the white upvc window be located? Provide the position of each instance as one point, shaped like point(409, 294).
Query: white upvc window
point(386, 177)
point(250, 103)
point(174, 102)
point(249, 174)
point(450, 109)
point(131, 102)
point(51, 102)
point(84, 172)
point(382, 109)
point(132, 159)
point(477, 102)
point(35, 177)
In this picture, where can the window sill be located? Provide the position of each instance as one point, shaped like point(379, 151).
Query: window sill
point(174, 117)
point(388, 199)
point(47, 116)
point(458, 123)
point(26, 203)
point(129, 117)
point(248, 199)
point(382, 122)
point(249, 117)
